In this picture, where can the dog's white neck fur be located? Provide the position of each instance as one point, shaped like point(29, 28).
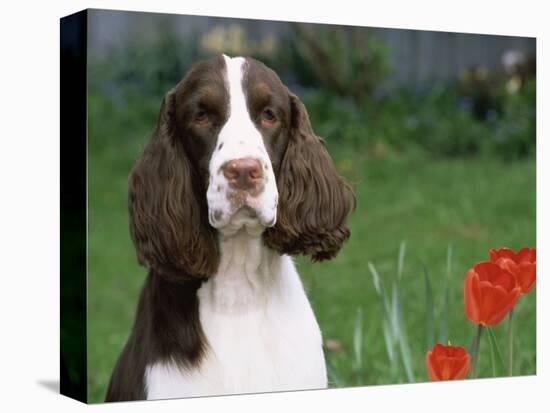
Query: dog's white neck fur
point(245, 274)
point(261, 331)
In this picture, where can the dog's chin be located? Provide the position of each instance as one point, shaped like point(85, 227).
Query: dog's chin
point(245, 218)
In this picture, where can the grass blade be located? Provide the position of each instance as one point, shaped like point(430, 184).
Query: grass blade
point(401, 259)
point(430, 330)
point(496, 356)
point(402, 338)
point(379, 287)
point(395, 311)
point(388, 340)
point(375, 278)
point(358, 340)
point(334, 378)
point(444, 327)
point(386, 315)
point(399, 325)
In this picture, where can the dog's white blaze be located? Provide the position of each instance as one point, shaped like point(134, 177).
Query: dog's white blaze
point(261, 331)
point(239, 138)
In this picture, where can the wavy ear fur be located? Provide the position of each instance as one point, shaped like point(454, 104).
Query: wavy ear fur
point(314, 200)
point(168, 221)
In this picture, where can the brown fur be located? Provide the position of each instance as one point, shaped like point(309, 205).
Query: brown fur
point(167, 328)
point(168, 218)
point(314, 200)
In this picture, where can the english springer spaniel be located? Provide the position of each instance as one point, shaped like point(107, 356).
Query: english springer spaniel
point(232, 183)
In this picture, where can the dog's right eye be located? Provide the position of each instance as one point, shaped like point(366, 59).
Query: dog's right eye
point(268, 117)
point(201, 118)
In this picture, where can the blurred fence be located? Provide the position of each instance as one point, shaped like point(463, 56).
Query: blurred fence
point(416, 56)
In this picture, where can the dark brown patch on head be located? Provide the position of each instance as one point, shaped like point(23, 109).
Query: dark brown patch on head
point(202, 106)
point(314, 201)
point(168, 211)
point(265, 92)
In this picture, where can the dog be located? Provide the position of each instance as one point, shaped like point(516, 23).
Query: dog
point(232, 184)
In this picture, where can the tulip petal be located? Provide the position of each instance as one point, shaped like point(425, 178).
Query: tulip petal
point(481, 269)
point(457, 364)
point(502, 307)
point(472, 296)
point(491, 297)
point(463, 367)
point(446, 362)
point(527, 255)
point(493, 254)
point(526, 276)
point(456, 351)
point(506, 277)
point(430, 363)
point(446, 368)
point(504, 252)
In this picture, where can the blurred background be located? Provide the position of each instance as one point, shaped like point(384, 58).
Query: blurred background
point(436, 130)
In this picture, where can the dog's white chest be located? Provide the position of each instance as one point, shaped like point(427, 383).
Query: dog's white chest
point(262, 336)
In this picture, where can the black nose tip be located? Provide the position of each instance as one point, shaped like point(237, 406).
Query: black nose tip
point(244, 174)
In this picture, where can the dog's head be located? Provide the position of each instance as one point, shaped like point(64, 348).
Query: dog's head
point(233, 151)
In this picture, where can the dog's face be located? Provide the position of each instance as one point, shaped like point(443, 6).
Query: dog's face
point(234, 115)
point(233, 150)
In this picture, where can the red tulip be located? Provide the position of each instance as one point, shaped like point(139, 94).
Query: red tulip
point(447, 362)
point(523, 265)
point(490, 292)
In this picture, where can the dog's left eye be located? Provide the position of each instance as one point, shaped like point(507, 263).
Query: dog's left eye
point(201, 117)
point(268, 117)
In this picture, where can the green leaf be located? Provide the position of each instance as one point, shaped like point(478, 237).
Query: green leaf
point(496, 356)
point(430, 330)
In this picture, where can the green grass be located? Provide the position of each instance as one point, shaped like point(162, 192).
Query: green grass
point(472, 204)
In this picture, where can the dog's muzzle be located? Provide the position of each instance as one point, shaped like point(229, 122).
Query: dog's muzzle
point(242, 193)
point(245, 175)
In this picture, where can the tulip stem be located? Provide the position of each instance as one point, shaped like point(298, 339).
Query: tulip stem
point(510, 342)
point(476, 351)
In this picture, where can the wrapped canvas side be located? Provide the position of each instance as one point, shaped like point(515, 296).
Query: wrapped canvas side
point(73, 260)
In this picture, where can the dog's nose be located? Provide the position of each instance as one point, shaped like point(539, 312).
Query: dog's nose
point(245, 173)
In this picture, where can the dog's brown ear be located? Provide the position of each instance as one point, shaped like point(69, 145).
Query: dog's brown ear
point(314, 201)
point(168, 220)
